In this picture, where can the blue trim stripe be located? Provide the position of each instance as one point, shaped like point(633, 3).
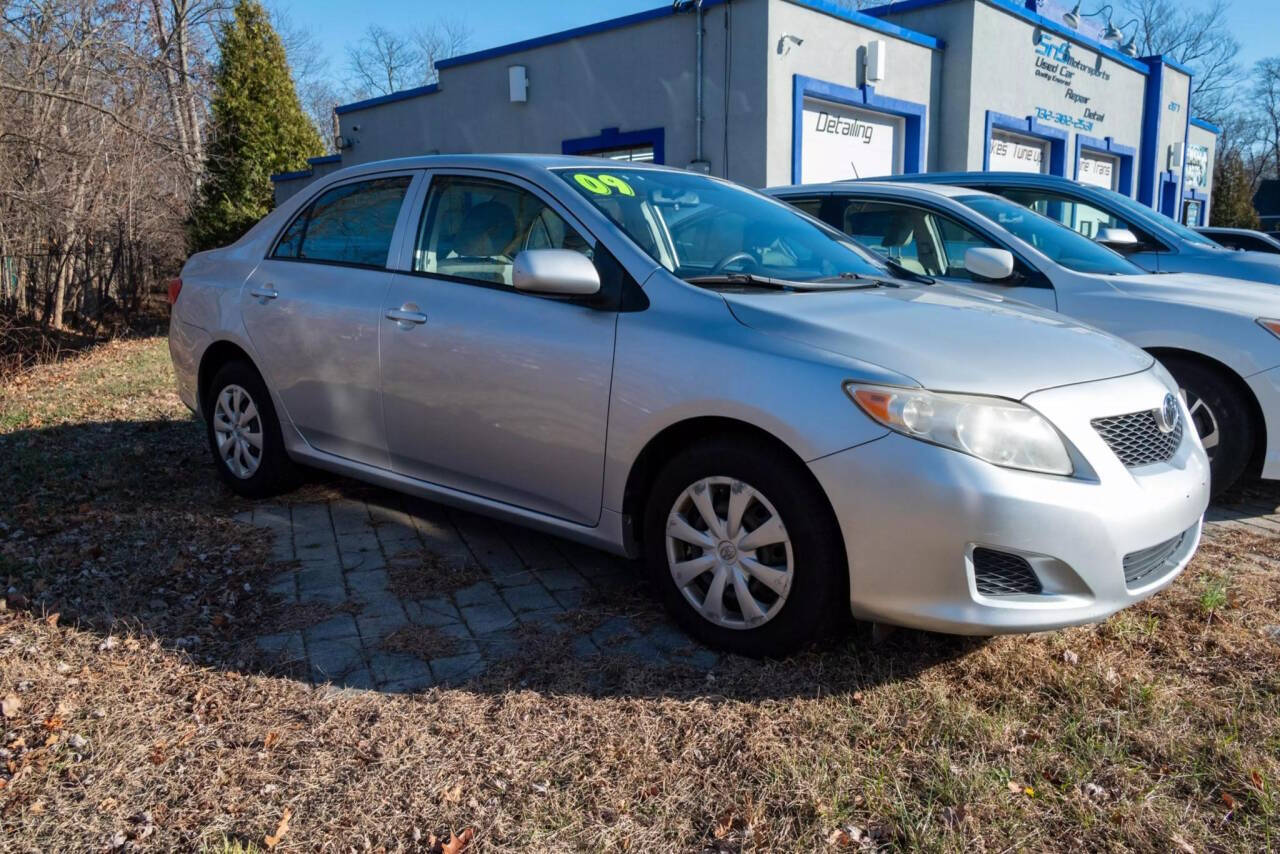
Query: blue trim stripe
point(290, 176)
point(1017, 9)
point(1152, 105)
point(328, 158)
point(1204, 124)
point(1123, 153)
point(403, 94)
point(565, 35)
point(1027, 126)
point(612, 138)
point(865, 98)
point(865, 20)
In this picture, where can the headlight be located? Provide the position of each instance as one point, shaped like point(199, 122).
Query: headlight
point(999, 431)
point(1272, 326)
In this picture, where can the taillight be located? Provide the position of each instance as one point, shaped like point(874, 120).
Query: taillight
point(175, 288)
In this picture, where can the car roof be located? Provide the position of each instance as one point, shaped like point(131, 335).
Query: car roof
point(985, 177)
point(897, 188)
point(520, 164)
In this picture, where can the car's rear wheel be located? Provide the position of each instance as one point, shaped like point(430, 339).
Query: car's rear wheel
point(244, 434)
point(744, 548)
point(1221, 416)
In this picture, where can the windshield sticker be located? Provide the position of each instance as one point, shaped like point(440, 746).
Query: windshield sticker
point(603, 185)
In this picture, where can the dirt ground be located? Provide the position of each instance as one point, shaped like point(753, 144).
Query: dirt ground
point(139, 718)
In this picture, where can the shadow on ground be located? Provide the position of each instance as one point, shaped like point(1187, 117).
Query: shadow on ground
point(122, 527)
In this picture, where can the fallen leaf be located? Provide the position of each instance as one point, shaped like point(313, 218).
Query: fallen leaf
point(272, 840)
point(53, 724)
point(9, 706)
point(37, 808)
point(270, 741)
point(1014, 787)
point(1229, 801)
point(1070, 657)
point(458, 842)
point(1256, 779)
point(455, 794)
point(839, 838)
point(52, 619)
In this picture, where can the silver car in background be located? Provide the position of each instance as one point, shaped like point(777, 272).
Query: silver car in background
point(666, 365)
point(1218, 337)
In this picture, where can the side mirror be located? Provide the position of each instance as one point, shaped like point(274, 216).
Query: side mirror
point(989, 263)
point(555, 272)
point(1119, 239)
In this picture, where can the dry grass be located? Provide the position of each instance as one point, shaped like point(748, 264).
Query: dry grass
point(1157, 730)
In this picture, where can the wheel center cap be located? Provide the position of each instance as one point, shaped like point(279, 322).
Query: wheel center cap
point(727, 551)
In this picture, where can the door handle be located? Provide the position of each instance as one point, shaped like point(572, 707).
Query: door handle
point(264, 293)
point(406, 314)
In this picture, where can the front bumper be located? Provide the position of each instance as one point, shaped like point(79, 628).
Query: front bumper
point(913, 513)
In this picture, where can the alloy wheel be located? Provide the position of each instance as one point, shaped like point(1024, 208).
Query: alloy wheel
point(729, 553)
point(1204, 420)
point(238, 432)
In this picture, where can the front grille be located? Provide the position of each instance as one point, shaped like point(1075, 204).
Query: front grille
point(1003, 574)
point(1136, 438)
point(1140, 565)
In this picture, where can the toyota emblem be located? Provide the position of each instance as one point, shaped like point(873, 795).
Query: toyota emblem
point(1167, 414)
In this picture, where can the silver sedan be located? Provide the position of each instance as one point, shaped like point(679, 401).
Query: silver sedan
point(663, 364)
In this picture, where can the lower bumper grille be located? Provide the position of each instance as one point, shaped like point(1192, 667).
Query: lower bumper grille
point(1139, 566)
point(1003, 574)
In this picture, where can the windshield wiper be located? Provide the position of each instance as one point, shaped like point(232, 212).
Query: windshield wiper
point(907, 272)
point(757, 280)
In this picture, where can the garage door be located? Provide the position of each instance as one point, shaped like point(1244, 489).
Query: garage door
point(839, 142)
point(1013, 153)
point(1100, 170)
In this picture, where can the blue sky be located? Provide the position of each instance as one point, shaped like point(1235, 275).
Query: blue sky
point(335, 23)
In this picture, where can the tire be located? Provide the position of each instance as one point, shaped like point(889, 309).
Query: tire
point(1222, 418)
point(249, 471)
point(807, 597)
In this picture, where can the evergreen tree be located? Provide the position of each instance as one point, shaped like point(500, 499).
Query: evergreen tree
point(258, 128)
point(1232, 195)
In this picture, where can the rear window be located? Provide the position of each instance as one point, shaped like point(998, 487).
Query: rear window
point(349, 224)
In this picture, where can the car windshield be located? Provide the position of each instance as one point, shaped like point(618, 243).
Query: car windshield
point(697, 226)
point(1064, 246)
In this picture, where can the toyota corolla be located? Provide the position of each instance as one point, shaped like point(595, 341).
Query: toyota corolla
point(663, 364)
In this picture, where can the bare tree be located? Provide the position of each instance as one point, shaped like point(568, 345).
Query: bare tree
point(1266, 102)
point(438, 41)
point(382, 62)
point(311, 73)
point(1197, 36)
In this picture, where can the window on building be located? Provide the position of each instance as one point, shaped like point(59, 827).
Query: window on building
point(630, 153)
point(349, 224)
point(474, 228)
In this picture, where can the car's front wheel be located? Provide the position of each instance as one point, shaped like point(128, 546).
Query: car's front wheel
point(244, 434)
point(745, 549)
point(1221, 417)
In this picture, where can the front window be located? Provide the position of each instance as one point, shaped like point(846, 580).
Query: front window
point(1064, 246)
point(695, 225)
point(473, 228)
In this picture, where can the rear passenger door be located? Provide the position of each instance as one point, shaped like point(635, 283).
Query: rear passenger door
point(312, 310)
point(1088, 219)
point(489, 390)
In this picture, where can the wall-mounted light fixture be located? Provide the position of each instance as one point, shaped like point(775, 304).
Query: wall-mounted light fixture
point(875, 60)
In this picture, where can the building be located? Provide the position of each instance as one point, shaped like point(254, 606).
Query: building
point(783, 91)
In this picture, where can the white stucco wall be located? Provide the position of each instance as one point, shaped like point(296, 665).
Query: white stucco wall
point(831, 52)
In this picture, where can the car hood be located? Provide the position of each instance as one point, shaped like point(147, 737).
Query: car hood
point(1253, 266)
point(1239, 296)
point(943, 339)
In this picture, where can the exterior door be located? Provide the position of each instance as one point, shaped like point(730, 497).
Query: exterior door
point(933, 244)
point(313, 312)
point(489, 390)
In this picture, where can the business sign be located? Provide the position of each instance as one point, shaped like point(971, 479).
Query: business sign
point(1012, 153)
point(839, 142)
point(1100, 170)
point(1056, 63)
point(1197, 168)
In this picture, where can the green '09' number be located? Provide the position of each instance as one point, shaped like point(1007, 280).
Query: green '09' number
point(603, 185)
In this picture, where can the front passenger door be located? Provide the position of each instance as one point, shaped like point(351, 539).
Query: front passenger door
point(486, 389)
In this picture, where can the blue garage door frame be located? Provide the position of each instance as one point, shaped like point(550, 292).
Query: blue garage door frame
point(864, 97)
point(1123, 153)
point(1027, 126)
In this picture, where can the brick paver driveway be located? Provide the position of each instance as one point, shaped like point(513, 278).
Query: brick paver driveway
point(341, 553)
